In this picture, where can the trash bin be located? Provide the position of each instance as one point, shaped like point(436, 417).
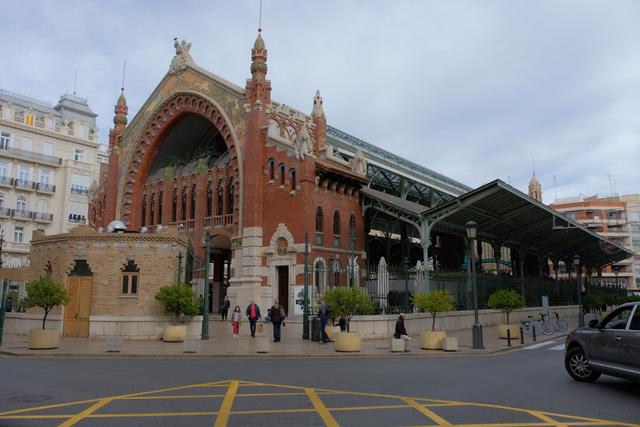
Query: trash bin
point(315, 329)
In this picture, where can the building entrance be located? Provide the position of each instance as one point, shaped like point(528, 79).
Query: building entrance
point(77, 312)
point(283, 287)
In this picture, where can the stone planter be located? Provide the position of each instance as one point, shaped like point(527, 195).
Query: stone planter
point(329, 329)
point(348, 342)
point(42, 339)
point(515, 331)
point(174, 333)
point(432, 340)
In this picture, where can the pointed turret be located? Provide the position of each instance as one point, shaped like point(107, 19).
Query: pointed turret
point(121, 109)
point(320, 122)
point(535, 189)
point(258, 88)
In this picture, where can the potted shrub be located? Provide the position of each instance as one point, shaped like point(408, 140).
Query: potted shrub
point(433, 303)
point(46, 294)
point(179, 301)
point(348, 302)
point(506, 300)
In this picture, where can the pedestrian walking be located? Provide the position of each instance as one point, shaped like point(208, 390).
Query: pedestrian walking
point(401, 333)
point(226, 304)
point(277, 318)
point(323, 315)
point(253, 314)
point(235, 321)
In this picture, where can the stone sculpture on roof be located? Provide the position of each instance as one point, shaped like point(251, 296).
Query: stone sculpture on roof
point(303, 146)
point(179, 62)
point(359, 163)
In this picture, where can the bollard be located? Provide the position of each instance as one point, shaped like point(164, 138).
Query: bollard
point(508, 337)
point(533, 331)
point(521, 336)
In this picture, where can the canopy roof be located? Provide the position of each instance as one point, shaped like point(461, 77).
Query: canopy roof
point(508, 217)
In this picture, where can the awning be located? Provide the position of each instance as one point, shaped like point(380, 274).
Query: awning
point(509, 218)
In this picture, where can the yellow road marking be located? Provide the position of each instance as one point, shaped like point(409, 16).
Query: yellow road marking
point(153, 414)
point(544, 417)
point(427, 412)
point(225, 409)
point(322, 410)
point(82, 415)
point(186, 396)
point(34, 417)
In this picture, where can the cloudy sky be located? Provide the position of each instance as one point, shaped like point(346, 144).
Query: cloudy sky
point(472, 89)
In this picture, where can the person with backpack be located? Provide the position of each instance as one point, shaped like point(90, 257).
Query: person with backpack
point(323, 315)
point(277, 317)
point(253, 314)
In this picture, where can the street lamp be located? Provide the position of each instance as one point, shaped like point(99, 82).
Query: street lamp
point(472, 231)
point(576, 263)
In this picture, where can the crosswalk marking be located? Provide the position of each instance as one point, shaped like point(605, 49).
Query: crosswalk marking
point(542, 344)
point(558, 347)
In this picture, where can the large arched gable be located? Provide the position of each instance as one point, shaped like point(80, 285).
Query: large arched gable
point(149, 143)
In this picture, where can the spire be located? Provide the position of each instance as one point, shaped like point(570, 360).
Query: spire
point(259, 56)
point(121, 109)
point(535, 189)
point(317, 105)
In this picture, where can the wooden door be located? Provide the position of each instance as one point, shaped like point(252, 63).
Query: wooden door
point(76, 313)
point(283, 288)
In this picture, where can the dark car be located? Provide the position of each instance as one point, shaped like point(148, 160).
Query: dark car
point(610, 347)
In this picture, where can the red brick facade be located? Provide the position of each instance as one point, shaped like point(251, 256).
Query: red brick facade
point(276, 172)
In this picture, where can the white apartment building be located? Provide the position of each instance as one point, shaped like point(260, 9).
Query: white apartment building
point(633, 216)
point(49, 157)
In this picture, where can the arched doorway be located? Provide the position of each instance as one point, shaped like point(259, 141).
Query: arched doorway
point(219, 271)
point(78, 310)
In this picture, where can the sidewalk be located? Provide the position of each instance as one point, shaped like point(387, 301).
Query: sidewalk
point(222, 344)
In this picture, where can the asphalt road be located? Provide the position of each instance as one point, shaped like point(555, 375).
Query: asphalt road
point(530, 379)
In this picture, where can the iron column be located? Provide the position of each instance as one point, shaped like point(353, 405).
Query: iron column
point(205, 297)
point(472, 230)
point(576, 262)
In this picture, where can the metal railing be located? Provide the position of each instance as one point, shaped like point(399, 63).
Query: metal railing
point(21, 213)
point(30, 155)
point(47, 188)
point(42, 217)
point(80, 191)
point(77, 219)
point(6, 180)
point(23, 183)
point(5, 211)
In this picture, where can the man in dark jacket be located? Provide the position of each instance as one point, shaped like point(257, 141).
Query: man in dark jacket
point(323, 315)
point(253, 314)
point(277, 317)
point(401, 332)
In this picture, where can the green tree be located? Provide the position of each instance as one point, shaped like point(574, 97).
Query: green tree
point(178, 300)
point(348, 302)
point(505, 300)
point(46, 294)
point(433, 303)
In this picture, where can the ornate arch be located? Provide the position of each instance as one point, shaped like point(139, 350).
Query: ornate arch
point(148, 145)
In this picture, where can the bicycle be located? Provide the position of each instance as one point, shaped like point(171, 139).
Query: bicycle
point(546, 326)
point(560, 325)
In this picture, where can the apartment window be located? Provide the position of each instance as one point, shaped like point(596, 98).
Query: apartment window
point(282, 174)
point(47, 148)
point(45, 177)
point(272, 169)
point(336, 229)
point(78, 155)
point(24, 173)
point(130, 275)
point(319, 226)
point(5, 140)
point(635, 243)
point(27, 144)
point(18, 234)
point(4, 169)
point(1, 200)
point(292, 178)
point(80, 185)
point(352, 232)
point(43, 206)
point(21, 204)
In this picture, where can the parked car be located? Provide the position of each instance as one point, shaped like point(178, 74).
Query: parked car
point(610, 347)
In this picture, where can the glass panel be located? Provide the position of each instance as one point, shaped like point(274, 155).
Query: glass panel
point(125, 284)
point(134, 284)
point(617, 319)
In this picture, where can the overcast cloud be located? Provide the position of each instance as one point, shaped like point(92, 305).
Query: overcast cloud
point(471, 89)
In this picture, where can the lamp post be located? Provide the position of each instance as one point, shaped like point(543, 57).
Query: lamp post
point(472, 231)
point(576, 263)
point(305, 313)
point(405, 273)
point(205, 297)
point(616, 272)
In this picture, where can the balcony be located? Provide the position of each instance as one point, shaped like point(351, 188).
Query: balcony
point(80, 191)
point(6, 181)
point(45, 188)
point(23, 184)
point(17, 153)
point(42, 217)
point(21, 214)
point(18, 246)
point(5, 212)
point(77, 219)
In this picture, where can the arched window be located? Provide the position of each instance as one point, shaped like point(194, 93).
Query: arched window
point(352, 232)
point(292, 178)
point(209, 199)
point(21, 204)
point(282, 173)
point(174, 206)
point(336, 229)
point(152, 209)
point(192, 212)
point(143, 211)
point(319, 277)
point(230, 197)
point(271, 169)
point(130, 274)
point(160, 207)
point(220, 199)
point(183, 214)
point(319, 226)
